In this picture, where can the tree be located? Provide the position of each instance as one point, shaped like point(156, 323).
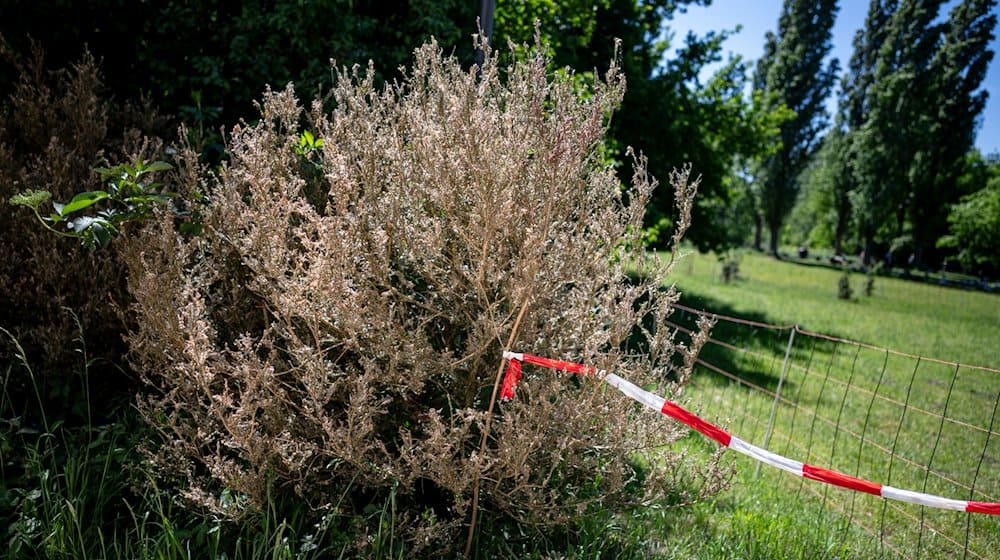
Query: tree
point(792, 74)
point(919, 114)
point(677, 120)
point(213, 78)
point(667, 113)
point(954, 105)
point(759, 85)
point(822, 214)
point(896, 121)
point(975, 228)
point(738, 132)
point(852, 113)
point(825, 212)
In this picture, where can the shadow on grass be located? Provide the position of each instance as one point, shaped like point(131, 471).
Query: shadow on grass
point(752, 353)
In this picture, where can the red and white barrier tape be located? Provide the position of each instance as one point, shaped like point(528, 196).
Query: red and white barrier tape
point(513, 376)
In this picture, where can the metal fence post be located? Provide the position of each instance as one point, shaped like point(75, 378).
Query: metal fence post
point(777, 393)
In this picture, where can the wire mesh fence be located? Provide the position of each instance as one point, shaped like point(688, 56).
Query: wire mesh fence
point(909, 421)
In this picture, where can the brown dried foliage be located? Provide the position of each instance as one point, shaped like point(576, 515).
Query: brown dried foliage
point(339, 331)
point(54, 129)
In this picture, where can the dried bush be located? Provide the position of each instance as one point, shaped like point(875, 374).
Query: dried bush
point(336, 329)
point(55, 127)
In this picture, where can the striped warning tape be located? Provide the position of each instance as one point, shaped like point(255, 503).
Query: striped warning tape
point(658, 403)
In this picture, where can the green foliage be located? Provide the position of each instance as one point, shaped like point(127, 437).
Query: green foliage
point(211, 79)
point(308, 144)
point(735, 131)
point(676, 119)
point(830, 201)
point(897, 157)
point(31, 198)
point(791, 74)
point(129, 197)
point(955, 104)
point(902, 46)
point(570, 28)
point(975, 229)
point(909, 116)
point(667, 113)
point(822, 216)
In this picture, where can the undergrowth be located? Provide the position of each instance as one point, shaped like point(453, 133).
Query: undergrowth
point(82, 491)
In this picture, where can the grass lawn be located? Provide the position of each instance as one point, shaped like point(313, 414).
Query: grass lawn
point(899, 420)
point(926, 319)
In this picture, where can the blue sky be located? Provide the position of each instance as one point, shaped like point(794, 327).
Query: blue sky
point(759, 16)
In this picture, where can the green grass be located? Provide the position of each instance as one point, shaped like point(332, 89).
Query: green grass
point(926, 319)
point(72, 489)
point(858, 410)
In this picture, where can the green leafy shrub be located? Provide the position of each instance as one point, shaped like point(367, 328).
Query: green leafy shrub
point(341, 332)
point(211, 79)
point(844, 289)
point(974, 229)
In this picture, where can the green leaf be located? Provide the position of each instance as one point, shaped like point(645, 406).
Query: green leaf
point(80, 224)
point(158, 166)
point(101, 233)
point(31, 198)
point(144, 199)
point(81, 201)
point(143, 189)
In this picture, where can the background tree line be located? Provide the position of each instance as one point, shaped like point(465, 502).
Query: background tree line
point(897, 175)
point(889, 174)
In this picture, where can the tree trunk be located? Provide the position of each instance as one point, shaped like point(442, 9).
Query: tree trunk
point(486, 10)
point(773, 242)
point(758, 231)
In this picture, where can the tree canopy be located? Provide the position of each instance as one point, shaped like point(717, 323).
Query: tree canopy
point(974, 225)
point(792, 74)
point(909, 105)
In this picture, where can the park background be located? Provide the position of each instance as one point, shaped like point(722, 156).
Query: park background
point(849, 186)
